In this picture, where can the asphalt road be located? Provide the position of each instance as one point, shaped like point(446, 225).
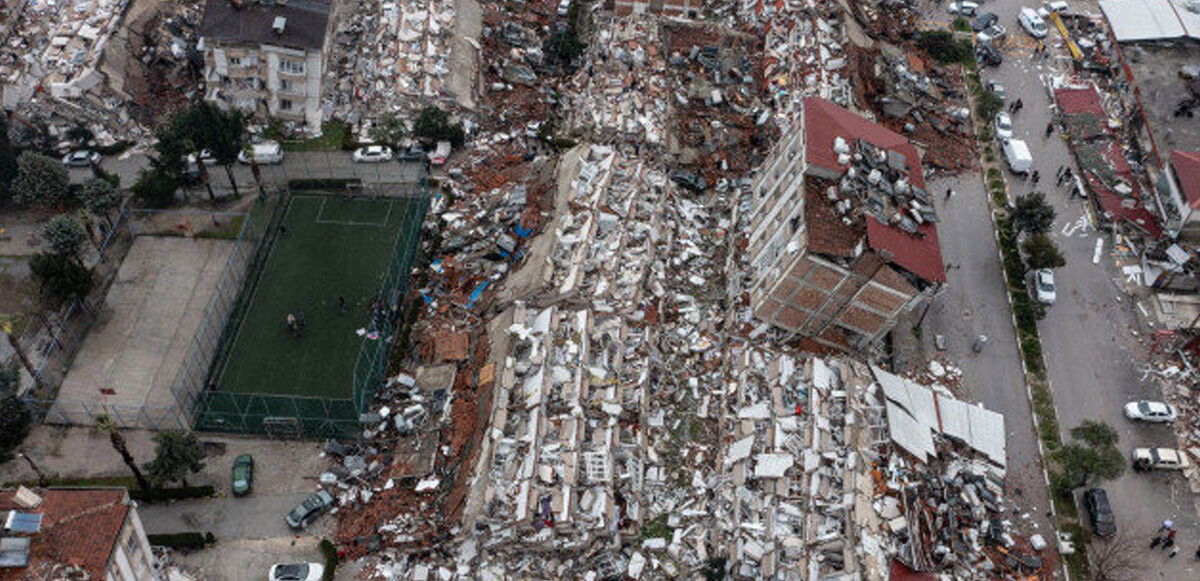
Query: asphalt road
point(1088, 336)
point(296, 165)
point(251, 517)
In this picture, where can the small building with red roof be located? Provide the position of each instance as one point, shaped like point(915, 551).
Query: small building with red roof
point(1179, 193)
point(843, 235)
point(75, 533)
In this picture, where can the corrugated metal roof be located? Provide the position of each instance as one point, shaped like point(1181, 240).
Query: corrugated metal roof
point(1136, 20)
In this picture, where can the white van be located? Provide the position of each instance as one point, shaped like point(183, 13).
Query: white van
point(1016, 153)
point(267, 152)
point(1032, 23)
point(564, 7)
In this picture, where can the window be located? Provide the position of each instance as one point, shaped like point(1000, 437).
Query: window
point(285, 85)
point(292, 67)
point(235, 61)
point(285, 104)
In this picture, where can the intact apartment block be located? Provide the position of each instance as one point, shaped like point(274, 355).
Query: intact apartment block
point(843, 232)
point(73, 533)
point(266, 59)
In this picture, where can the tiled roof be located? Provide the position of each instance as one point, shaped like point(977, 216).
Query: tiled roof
point(80, 526)
point(1187, 174)
point(824, 122)
point(920, 254)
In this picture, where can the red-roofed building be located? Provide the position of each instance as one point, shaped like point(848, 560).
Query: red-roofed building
point(1179, 193)
point(94, 530)
point(843, 234)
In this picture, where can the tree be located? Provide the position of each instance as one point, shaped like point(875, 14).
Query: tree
point(942, 47)
point(989, 104)
point(563, 47)
point(80, 135)
point(100, 197)
point(390, 132)
point(40, 180)
point(1042, 252)
point(1032, 214)
point(1090, 457)
point(64, 234)
point(177, 454)
point(15, 421)
point(155, 187)
point(1116, 559)
point(8, 163)
point(222, 133)
point(62, 278)
point(433, 125)
point(106, 424)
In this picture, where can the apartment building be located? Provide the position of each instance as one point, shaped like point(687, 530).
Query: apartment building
point(266, 58)
point(1179, 193)
point(677, 8)
point(72, 533)
point(843, 233)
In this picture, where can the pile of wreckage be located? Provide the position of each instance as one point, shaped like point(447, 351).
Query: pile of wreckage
point(387, 55)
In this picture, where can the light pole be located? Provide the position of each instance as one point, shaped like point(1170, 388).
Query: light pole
point(41, 475)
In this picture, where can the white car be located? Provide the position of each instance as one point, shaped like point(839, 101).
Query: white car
point(1044, 290)
point(373, 154)
point(997, 88)
point(297, 572)
point(1159, 459)
point(206, 157)
point(964, 8)
point(992, 33)
point(81, 158)
point(1150, 411)
point(1003, 126)
point(1032, 23)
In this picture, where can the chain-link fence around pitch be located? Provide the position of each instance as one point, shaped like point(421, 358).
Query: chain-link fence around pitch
point(251, 386)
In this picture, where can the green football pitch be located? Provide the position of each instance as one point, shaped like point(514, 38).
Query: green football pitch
point(328, 248)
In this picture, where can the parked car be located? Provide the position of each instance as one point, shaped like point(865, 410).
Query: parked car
point(1100, 513)
point(1032, 23)
point(243, 475)
point(988, 55)
point(297, 572)
point(440, 154)
point(689, 180)
point(1053, 7)
point(1003, 126)
point(1016, 153)
point(984, 20)
point(963, 8)
point(312, 507)
point(411, 153)
point(994, 33)
point(267, 152)
point(81, 158)
point(1159, 459)
point(373, 154)
point(1044, 290)
point(1150, 411)
point(997, 89)
point(206, 157)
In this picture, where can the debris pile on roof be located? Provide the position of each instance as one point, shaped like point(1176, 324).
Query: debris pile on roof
point(386, 55)
point(1096, 140)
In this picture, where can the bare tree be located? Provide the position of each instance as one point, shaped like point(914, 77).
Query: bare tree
point(106, 424)
point(1117, 559)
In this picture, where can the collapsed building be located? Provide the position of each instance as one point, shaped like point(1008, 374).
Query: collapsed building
point(266, 59)
point(843, 234)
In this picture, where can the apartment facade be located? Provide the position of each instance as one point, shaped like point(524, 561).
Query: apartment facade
point(76, 533)
point(266, 59)
point(843, 234)
point(1179, 194)
point(676, 8)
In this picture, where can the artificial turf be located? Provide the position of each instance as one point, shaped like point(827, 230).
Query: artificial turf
point(327, 247)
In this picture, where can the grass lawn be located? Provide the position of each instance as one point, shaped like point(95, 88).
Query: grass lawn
point(332, 135)
point(331, 247)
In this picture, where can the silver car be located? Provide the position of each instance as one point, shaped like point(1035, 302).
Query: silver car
point(1150, 411)
point(1003, 126)
point(1043, 286)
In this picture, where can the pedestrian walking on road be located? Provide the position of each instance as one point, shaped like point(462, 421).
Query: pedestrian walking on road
point(1158, 540)
point(1166, 526)
point(1035, 176)
point(1198, 552)
point(1174, 551)
point(949, 193)
point(1167, 544)
point(342, 304)
point(1049, 128)
point(1020, 104)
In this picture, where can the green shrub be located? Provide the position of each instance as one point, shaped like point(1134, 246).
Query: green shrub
point(322, 183)
point(188, 540)
point(331, 559)
point(993, 173)
point(156, 494)
point(115, 149)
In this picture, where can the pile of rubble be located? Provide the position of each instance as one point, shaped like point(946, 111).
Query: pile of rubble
point(385, 56)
